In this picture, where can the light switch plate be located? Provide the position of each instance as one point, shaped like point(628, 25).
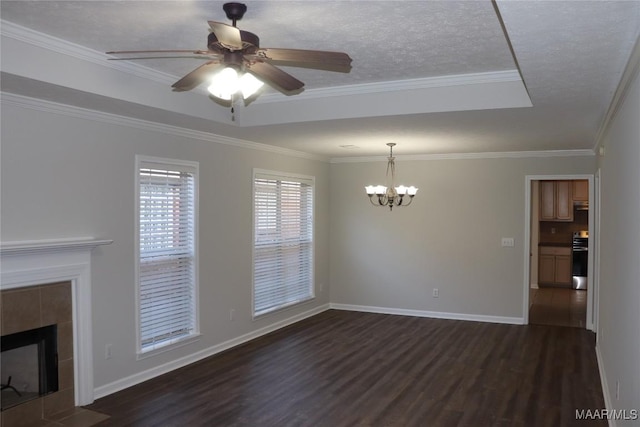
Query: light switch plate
point(507, 242)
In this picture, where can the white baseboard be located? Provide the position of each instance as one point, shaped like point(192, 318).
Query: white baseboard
point(605, 385)
point(535, 286)
point(140, 377)
point(431, 314)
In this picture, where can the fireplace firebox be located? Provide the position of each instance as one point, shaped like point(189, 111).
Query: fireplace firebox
point(29, 365)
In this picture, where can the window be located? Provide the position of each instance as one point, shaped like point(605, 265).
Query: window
point(166, 279)
point(283, 241)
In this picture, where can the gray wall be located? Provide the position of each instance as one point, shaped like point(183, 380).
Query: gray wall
point(449, 238)
point(65, 176)
point(619, 314)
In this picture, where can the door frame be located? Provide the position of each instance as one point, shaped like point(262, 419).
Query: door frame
point(592, 271)
point(596, 255)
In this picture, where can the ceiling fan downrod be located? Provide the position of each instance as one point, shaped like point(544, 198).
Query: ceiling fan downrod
point(234, 11)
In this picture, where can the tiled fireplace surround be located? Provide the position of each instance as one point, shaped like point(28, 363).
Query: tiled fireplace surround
point(43, 283)
point(30, 308)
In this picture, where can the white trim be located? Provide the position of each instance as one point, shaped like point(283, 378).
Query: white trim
point(631, 69)
point(26, 247)
point(605, 384)
point(527, 250)
point(163, 162)
point(177, 343)
point(26, 102)
point(465, 156)
point(194, 169)
point(29, 264)
point(398, 85)
point(527, 242)
point(64, 47)
point(279, 175)
point(311, 180)
point(592, 268)
point(595, 241)
point(430, 314)
point(87, 114)
point(132, 380)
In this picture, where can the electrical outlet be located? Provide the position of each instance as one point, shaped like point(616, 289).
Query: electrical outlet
point(232, 312)
point(107, 351)
point(436, 293)
point(321, 286)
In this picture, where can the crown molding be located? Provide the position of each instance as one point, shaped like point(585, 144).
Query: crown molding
point(41, 40)
point(45, 41)
point(87, 114)
point(629, 74)
point(399, 85)
point(466, 156)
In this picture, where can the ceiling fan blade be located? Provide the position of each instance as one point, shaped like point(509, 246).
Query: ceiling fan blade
point(316, 59)
point(136, 58)
point(131, 52)
point(196, 77)
point(275, 77)
point(227, 35)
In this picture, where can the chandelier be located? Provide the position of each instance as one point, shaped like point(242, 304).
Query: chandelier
point(391, 196)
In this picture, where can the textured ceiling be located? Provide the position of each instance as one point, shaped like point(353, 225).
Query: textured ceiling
point(387, 40)
point(569, 54)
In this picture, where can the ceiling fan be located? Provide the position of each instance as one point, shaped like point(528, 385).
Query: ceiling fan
point(237, 64)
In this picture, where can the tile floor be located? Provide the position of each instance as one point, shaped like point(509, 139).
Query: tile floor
point(559, 307)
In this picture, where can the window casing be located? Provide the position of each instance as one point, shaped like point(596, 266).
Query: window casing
point(283, 240)
point(167, 285)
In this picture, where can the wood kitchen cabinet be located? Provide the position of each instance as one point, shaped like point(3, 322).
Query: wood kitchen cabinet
point(580, 190)
point(554, 266)
point(556, 201)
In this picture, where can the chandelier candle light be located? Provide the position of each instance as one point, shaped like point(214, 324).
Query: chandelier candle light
point(391, 196)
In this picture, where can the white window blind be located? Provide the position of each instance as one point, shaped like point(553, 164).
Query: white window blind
point(283, 241)
point(166, 267)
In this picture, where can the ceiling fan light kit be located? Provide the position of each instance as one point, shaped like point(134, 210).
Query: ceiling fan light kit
point(389, 195)
point(236, 64)
point(228, 82)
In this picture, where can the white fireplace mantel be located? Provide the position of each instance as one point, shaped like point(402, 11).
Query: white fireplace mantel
point(39, 262)
point(59, 245)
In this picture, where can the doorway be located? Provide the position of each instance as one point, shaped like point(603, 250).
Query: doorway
point(559, 267)
point(558, 307)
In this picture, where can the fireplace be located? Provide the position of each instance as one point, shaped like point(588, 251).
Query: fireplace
point(37, 352)
point(29, 365)
point(48, 283)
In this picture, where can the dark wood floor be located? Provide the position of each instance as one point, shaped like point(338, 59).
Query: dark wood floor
point(558, 307)
point(343, 368)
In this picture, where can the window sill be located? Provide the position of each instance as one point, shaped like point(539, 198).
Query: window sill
point(284, 307)
point(180, 342)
